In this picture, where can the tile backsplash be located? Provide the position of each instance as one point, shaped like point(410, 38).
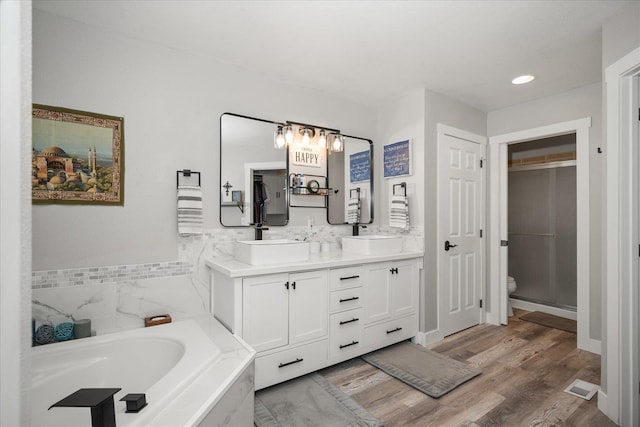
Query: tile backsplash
point(120, 297)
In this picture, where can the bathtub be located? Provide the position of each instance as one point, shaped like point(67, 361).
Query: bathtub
point(184, 368)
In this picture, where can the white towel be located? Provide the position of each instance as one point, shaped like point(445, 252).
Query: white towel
point(189, 210)
point(399, 212)
point(353, 210)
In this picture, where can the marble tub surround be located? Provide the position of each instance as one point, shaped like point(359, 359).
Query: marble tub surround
point(114, 307)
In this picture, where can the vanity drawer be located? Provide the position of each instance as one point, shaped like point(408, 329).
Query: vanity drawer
point(390, 332)
point(345, 299)
point(346, 333)
point(348, 277)
point(284, 365)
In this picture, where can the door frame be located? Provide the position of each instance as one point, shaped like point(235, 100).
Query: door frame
point(443, 130)
point(618, 398)
point(498, 168)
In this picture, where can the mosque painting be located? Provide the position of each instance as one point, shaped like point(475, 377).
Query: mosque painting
point(76, 157)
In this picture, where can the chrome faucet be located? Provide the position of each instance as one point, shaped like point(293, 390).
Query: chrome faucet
point(259, 228)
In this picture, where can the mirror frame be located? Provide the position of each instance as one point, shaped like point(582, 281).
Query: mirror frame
point(371, 207)
point(285, 154)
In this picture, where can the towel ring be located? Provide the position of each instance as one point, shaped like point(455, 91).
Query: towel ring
point(186, 173)
point(403, 186)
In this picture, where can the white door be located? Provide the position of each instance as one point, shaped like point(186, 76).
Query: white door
point(377, 293)
point(308, 306)
point(265, 312)
point(460, 260)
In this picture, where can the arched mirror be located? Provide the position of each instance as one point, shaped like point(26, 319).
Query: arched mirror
point(350, 176)
point(253, 173)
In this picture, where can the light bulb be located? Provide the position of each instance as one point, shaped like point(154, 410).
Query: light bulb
point(336, 146)
point(322, 139)
point(279, 141)
point(305, 138)
point(288, 135)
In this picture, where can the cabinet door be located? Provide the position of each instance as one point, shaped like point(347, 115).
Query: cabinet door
point(265, 307)
point(308, 307)
point(404, 289)
point(377, 293)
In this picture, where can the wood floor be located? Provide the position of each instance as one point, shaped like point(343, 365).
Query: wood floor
point(525, 368)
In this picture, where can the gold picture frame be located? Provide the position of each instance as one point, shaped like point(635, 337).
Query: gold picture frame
point(78, 157)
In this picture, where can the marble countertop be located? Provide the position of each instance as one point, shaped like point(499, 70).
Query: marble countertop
point(231, 267)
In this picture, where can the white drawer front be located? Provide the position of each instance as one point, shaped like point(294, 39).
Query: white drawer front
point(348, 277)
point(345, 299)
point(347, 333)
point(278, 367)
point(391, 331)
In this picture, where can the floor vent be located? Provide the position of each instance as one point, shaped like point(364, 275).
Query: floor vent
point(582, 389)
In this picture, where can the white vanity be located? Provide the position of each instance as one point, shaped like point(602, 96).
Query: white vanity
point(306, 315)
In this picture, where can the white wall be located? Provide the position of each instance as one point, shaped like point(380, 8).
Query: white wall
point(582, 102)
point(440, 109)
point(15, 217)
point(171, 102)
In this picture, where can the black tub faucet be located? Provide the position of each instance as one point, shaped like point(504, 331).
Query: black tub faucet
point(100, 400)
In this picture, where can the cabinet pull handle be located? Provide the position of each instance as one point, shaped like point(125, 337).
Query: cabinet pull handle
point(344, 322)
point(349, 299)
point(348, 345)
point(282, 365)
point(293, 285)
point(286, 285)
point(394, 330)
point(349, 277)
point(394, 270)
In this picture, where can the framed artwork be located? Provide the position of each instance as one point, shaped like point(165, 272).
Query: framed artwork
point(77, 157)
point(397, 159)
point(360, 166)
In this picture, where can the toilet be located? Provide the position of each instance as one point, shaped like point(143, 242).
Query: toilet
point(511, 288)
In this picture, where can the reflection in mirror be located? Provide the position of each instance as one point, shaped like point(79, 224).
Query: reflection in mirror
point(253, 174)
point(351, 180)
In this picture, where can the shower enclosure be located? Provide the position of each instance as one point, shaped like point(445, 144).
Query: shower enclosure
point(542, 233)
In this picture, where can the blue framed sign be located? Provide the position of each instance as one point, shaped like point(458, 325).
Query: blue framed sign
point(397, 159)
point(360, 166)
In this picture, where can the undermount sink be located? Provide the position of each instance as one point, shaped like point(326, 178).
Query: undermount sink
point(276, 251)
point(373, 244)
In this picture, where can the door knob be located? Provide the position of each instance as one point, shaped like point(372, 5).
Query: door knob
point(448, 245)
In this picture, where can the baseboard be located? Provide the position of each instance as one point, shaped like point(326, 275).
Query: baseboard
point(594, 346)
point(532, 306)
point(428, 338)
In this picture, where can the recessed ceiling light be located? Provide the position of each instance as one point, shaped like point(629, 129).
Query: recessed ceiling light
point(520, 80)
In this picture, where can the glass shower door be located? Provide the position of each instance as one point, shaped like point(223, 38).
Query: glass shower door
point(542, 234)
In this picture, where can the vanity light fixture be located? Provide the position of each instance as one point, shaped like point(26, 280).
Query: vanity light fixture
point(288, 134)
point(279, 139)
point(520, 80)
point(307, 134)
point(322, 139)
point(337, 145)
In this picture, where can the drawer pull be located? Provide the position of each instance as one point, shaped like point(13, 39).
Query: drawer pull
point(282, 365)
point(394, 330)
point(349, 299)
point(348, 345)
point(344, 322)
point(349, 277)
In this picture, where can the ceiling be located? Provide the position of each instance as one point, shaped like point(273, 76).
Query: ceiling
point(374, 51)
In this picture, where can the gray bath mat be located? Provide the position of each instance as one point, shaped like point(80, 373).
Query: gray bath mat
point(551, 321)
point(430, 372)
point(309, 401)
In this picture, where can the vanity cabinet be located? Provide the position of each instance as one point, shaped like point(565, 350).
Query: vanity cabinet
point(304, 320)
point(282, 309)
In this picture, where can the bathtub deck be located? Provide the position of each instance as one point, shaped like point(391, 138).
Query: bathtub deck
point(525, 368)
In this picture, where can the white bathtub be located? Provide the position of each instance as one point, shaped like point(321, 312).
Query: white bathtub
point(184, 368)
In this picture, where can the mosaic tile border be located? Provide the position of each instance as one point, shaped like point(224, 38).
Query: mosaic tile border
point(108, 274)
